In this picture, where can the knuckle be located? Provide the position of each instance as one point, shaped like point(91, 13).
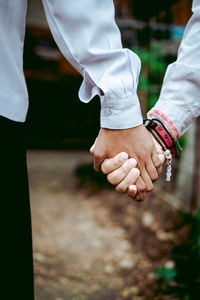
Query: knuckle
point(132, 176)
point(97, 155)
point(140, 197)
point(150, 188)
point(137, 172)
point(141, 186)
point(132, 162)
point(120, 189)
point(124, 170)
point(154, 177)
point(125, 165)
point(111, 179)
point(103, 169)
point(96, 169)
point(142, 189)
point(157, 164)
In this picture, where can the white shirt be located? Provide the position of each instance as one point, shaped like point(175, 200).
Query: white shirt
point(88, 37)
point(180, 95)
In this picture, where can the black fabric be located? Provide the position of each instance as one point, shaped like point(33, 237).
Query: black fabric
point(144, 10)
point(16, 236)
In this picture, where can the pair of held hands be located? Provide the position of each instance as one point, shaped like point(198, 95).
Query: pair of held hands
point(131, 158)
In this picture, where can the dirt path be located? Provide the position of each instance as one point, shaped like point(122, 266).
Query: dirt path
point(91, 243)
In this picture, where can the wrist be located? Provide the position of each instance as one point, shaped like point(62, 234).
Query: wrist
point(165, 119)
point(161, 134)
point(120, 113)
point(165, 139)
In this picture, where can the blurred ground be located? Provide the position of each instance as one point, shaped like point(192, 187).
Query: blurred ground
point(89, 242)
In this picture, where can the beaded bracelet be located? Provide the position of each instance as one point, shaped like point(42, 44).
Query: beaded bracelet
point(164, 138)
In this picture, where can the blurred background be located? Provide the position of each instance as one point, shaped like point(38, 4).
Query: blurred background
point(90, 242)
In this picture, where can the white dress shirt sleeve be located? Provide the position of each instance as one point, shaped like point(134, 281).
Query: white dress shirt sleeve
point(87, 35)
point(13, 91)
point(180, 94)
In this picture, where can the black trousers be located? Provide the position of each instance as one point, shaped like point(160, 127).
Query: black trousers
point(16, 235)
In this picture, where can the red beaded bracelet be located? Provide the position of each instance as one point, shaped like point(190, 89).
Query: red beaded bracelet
point(161, 131)
point(164, 138)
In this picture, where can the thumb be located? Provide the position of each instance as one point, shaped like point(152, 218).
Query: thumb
point(162, 157)
point(92, 148)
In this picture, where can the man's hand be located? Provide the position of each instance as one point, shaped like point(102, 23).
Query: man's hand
point(122, 173)
point(138, 144)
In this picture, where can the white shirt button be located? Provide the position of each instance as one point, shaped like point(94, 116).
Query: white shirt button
point(107, 112)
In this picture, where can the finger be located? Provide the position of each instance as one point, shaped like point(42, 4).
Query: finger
point(152, 171)
point(98, 160)
point(159, 170)
point(158, 160)
point(162, 158)
point(131, 178)
point(160, 154)
point(141, 190)
point(111, 164)
point(157, 145)
point(119, 174)
point(132, 190)
point(146, 178)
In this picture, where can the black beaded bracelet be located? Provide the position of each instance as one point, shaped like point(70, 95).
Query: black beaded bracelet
point(164, 136)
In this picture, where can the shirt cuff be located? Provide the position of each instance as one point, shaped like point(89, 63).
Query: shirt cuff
point(120, 113)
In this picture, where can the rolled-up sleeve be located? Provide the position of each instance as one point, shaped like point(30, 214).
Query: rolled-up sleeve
point(180, 94)
point(87, 35)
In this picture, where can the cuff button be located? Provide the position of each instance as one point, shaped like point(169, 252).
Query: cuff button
point(107, 112)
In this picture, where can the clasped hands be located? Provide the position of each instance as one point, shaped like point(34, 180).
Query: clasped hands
point(131, 158)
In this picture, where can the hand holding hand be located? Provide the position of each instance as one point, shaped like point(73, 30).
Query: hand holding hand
point(122, 172)
point(138, 144)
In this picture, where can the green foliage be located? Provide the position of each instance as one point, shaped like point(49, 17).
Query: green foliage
point(166, 273)
point(144, 83)
point(198, 230)
point(183, 140)
point(154, 64)
point(183, 280)
point(152, 72)
point(152, 101)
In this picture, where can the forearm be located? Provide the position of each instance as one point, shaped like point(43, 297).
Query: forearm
point(179, 101)
point(89, 38)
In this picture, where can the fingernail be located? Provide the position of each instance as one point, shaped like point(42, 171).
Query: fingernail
point(132, 188)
